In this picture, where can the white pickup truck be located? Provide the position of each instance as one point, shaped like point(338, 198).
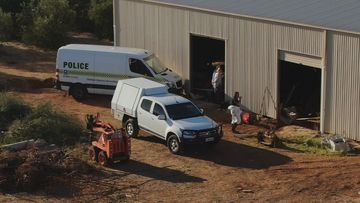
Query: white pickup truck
point(144, 104)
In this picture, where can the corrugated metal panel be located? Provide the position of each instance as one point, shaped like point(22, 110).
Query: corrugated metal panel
point(343, 85)
point(333, 14)
point(252, 46)
point(156, 28)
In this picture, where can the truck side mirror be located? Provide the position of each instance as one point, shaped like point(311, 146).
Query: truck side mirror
point(202, 111)
point(161, 117)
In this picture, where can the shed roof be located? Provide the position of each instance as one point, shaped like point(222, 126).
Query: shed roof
point(342, 15)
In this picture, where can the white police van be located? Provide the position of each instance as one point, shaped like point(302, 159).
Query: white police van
point(82, 69)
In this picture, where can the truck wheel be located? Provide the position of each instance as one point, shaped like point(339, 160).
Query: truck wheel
point(131, 128)
point(102, 158)
point(78, 91)
point(93, 153)
point(174, 145)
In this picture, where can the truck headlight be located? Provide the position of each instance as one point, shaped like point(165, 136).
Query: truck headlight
point(188, 134)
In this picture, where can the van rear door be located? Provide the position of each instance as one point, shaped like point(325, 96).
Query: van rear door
point(75, 66)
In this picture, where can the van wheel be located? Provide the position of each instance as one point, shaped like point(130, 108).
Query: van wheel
point(174, 145)
point(131, 128)
point(78, 91)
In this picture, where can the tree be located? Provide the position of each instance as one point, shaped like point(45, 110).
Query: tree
point(46, 22)
point(101, 13)
point(6, 25)
point(82, 21)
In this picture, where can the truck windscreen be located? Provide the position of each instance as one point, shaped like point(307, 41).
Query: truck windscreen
point(155, 64)
point(182, 111)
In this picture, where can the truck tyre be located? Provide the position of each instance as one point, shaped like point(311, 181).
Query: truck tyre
point(174, 144)
point(131, 128)
point(78, 91)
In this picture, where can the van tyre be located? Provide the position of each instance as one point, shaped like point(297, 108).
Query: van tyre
point(174, 144)
point(131, 128)
point(78, 91)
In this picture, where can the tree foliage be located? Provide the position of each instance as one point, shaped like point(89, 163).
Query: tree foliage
point(46, 22)
point(101, 13)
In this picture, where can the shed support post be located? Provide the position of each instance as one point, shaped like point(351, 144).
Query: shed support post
point(323, 84)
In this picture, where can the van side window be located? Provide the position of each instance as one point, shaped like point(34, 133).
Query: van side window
point(139, 67)
point(146, 104)
point(158, 110)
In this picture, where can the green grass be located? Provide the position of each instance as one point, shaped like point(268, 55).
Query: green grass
point(307, 144)
point(21, 122)
point(11, 109)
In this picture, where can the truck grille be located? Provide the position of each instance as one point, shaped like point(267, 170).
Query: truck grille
point(207, 133)
point(179, 83)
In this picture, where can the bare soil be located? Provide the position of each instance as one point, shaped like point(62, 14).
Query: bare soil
point(235, 170)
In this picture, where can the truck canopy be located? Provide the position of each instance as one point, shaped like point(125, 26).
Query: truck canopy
point(129, 92)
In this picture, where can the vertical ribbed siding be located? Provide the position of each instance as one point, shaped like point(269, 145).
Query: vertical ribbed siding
point(156, 28)
point(343, 85)
point(251, 46)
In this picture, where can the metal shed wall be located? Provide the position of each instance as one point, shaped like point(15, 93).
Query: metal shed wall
point(252, 46)
point(343, 85)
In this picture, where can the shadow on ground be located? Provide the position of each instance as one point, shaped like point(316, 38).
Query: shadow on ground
point(157, 173)
point(17, 56)
point(231, 154)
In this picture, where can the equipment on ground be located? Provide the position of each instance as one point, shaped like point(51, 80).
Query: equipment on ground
point(112, 145)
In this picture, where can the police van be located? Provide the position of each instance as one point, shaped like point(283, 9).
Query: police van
point(83, 69)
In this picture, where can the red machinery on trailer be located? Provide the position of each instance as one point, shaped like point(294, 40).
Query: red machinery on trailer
point(111, 146)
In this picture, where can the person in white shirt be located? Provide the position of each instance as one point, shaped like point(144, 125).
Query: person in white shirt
point(216, 82)
point(235, 112)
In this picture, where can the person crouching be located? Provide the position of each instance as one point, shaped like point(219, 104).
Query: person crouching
point(235, 112)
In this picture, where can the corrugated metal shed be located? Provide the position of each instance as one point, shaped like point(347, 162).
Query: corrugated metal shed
point(341, 15)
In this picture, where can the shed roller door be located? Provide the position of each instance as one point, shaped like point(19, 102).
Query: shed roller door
point(303, 59)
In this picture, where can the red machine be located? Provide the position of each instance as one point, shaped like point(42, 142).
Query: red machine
point(111, 146)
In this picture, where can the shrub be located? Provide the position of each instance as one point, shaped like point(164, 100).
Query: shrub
point(6, 25)
point(101, 13)
point(11, 108)
point(46, 123)
point(46, 22)
point(82, 21)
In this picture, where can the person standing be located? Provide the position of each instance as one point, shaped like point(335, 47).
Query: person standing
point(217, 83)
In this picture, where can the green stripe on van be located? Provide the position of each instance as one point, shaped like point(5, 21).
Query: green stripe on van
point(105, 75)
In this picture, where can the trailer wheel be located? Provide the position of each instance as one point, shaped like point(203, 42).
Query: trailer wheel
point(78, 91)
point(102, 158)
point(174, 145)
point(131, 128)
point(93, 153)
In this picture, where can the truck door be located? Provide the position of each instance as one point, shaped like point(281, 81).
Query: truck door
point(158, 126)
point(144, 115)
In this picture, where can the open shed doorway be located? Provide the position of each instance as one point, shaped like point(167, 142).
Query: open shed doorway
point(300, 92)
point(204, 51)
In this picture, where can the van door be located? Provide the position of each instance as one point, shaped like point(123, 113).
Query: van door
point(138, 68)
point(109, 68)
point(75, 67)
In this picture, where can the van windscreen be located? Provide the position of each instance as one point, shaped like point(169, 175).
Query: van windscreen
point(155, 64)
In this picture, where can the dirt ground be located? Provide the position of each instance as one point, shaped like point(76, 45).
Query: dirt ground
point(235, 170)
